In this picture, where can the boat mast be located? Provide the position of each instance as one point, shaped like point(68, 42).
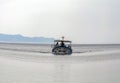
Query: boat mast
point(63, 38)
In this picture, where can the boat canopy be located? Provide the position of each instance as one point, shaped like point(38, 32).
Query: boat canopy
point(62, 41)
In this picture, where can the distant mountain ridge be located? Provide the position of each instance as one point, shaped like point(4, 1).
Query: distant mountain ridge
point(6, 38)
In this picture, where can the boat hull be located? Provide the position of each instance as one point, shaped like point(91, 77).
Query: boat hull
point(62, 50)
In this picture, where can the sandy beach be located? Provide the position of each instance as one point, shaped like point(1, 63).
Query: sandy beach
point(34, 67)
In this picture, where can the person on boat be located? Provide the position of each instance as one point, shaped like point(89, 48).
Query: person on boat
point(62, 43)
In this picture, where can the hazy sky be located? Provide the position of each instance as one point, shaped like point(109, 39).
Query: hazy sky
point(82, 21)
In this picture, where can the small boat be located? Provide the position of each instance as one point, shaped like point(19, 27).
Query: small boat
point(62, 47)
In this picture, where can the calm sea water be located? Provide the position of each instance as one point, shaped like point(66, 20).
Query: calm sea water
point(17, 67)
point(44, 48)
